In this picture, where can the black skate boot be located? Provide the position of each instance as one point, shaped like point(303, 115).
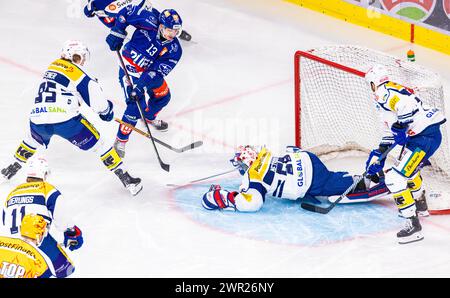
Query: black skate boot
point(185, 36)
point(422, 206)
point(411, 232)
point(11, 170)
point(134, 185)
point(120, 147)
point(159, 125)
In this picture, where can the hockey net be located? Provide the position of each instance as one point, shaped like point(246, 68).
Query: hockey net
point(335, 112)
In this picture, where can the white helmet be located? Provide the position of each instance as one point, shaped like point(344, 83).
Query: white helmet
point(378, 75)
point(75, 47)
point(38, 168)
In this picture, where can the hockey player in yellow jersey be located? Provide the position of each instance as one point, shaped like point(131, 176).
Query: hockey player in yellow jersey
point(24, 257)
point(412, 124)
point(37, 196)
point(64, 89)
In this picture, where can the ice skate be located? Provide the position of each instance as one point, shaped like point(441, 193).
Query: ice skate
point(159, 125)
point(133, 185)
point(10, 171)
point(422, 206)
point(411, 232)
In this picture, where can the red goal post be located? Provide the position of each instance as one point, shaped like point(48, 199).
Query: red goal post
point(335, 110)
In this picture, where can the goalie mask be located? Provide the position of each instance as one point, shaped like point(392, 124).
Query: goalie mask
point(244, 158)
point(377, 76)
point(75, 51)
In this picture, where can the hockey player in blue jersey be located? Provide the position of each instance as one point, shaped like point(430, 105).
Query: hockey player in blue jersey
point(149, 56)
point(107, 10)
point(297, 175)
point(56, 111)
point(415, 126)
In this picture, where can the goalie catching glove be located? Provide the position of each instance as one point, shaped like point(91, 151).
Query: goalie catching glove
point(218, 198)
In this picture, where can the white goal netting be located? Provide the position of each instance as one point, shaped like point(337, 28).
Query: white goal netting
point(336, 110)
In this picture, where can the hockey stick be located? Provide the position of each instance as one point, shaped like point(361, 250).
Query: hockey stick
point(325, 210)
point(201, 179)
point(178, 150)
point(163, 165)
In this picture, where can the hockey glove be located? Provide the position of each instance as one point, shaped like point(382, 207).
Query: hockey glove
point(137, 94)
point(373, 165)
point(108, 114)
point(115, 38)
point(399, 132)
point(89, 9)
point(73, 238)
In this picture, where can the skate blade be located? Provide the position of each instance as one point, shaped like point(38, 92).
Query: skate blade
point(410, 239)
point(134, 190)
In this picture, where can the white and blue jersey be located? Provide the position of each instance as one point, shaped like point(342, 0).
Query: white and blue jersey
point(396, 103)
point(64, 88)
point(296, 175)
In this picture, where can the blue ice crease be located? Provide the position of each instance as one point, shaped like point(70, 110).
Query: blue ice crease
point(284, 221)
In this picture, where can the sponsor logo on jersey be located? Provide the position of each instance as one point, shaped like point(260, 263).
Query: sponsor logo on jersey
point(48, 110)
point(163, 51)
point(418, 10)
point(122, 19)
point(112, 7)
point(165, 69)
point(174, 48)
point(300, 179)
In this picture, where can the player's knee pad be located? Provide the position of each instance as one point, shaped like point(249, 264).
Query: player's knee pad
point(405, 203)
point(395, 181)
point(111, 159)
point(415, 185)
point(24, 152)
point(161, 91)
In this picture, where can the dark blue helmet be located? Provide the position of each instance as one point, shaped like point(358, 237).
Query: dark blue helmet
point(170, 19)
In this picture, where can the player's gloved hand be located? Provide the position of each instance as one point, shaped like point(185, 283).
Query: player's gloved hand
point(373, 165)
point(89, 9)
point(108, 114)
point(215, 187)
point(137, 94)
point(115, 38)
point(73, 238)
point(399, 132)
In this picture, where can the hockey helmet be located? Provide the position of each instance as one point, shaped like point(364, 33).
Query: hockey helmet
point(244, 158)
point(377, 75)
point(171, 23)
point(34, 227)
point(38, 168)
point(75, 47)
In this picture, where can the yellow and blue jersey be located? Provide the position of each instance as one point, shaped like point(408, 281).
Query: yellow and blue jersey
point(397, 103)
point(65, 87)
point(287, 177)
point(31, 197)
point(19, 259)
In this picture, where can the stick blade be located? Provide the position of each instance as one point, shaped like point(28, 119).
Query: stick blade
point(165, 166)
point(317, 209)
point(191, 146)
